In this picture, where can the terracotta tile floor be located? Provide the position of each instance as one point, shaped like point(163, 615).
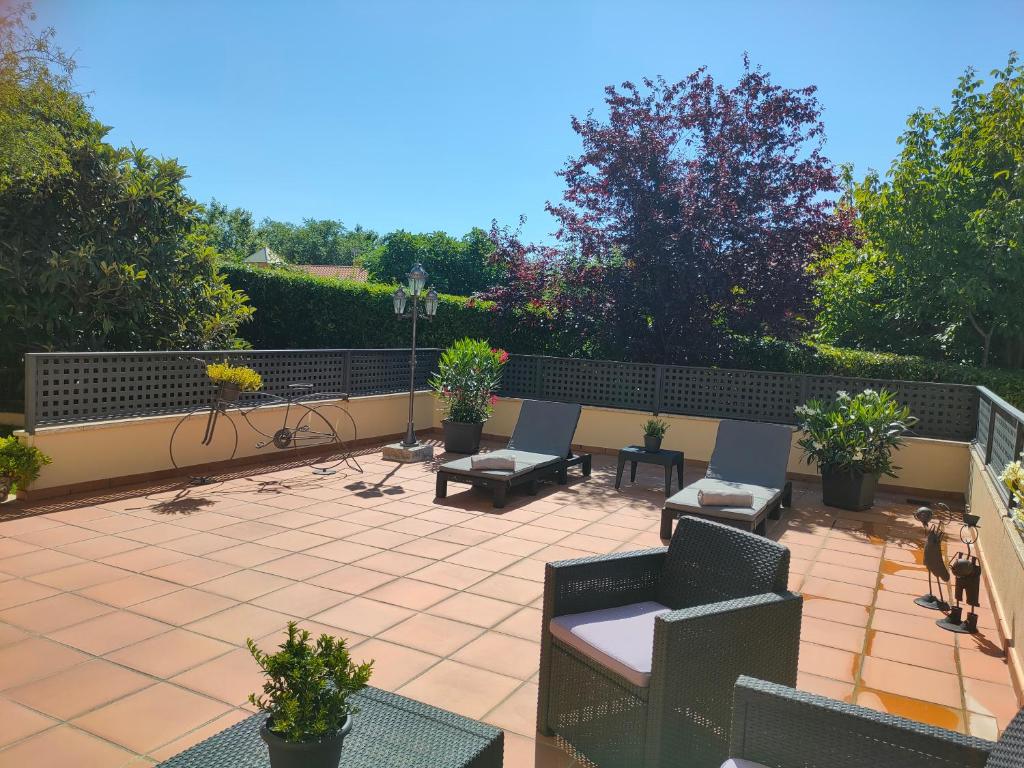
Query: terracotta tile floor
point(122, 617)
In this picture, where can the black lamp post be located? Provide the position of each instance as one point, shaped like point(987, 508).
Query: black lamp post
point(417, 281)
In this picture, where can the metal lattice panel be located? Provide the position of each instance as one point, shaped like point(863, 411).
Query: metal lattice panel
point(984, 415)
point(599, 382)
point(1004, 441)
point(519, 377)
point(731, 394)
point(380, 371)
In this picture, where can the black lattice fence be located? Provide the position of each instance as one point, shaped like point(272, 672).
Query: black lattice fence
point(69, 387)
point(1000, 436)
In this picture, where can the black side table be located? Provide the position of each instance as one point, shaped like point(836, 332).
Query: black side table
point(637, 454)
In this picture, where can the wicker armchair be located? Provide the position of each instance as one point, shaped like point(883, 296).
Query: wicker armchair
point(780, 727)
point(727, 612)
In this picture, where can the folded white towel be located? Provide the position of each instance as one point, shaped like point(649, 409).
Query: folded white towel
point(507, 463)
point(725, 498)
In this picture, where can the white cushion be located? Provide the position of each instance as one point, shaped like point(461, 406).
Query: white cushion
point(687, 499)
point(621, 639)
point(737, 762)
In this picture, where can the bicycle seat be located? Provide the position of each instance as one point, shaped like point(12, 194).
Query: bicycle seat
point(300, 386)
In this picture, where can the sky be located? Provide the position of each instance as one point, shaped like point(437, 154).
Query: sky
point(447, 115)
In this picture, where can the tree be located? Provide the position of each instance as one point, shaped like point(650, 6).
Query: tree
point(692, 212)
point(950, 216)
point(104, 250)
point(317, 241)
point(233, 230)
point(456, 266)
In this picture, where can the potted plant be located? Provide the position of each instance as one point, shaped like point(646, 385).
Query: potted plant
point(468, 373)
point(232, 379)
point(1013, 479)
point(851, 441)
point(654, 431)
point(19, 464)
point(306, 698)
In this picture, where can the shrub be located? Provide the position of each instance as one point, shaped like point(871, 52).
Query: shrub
point(854, 434)
point(655, 428)
point(308, 686)
point(245, 378)
point(19, 464)
point(468, 375)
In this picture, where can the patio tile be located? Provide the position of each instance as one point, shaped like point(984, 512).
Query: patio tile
point(151, 717)
point(838, 590)
point(459, 534)
point(907, 650)
point(53, 613)
point(394, 563)
point(825, 686)
point(432, 634)
point(56, 536)
point(511, 656)
point(79, 689)
point(929, 712)
point(527, 568)
point(993, 699)
point(845, 574)
point(921, 627)
point(335, 529)
point(18, 592)
point(192, 571)
point(911, 681)
point(836, 611)
point(343, 551)
point(367, 617)
point(433, 549)
point(296, 566)
point(247, 555)
point(20, 722)
point(245, 585)
point(982, 726)
point(144, 559)
point(517, 713)
point(200, 543)
point(842, 636)
point(34, 658)
point(459, 688)
point(409, 593)
point(302, 600)
point(291, 519)
point(22, 525)
point(350, 579)
point(199, 734)
point(206, 521)
point(99, 547)
point(380, 537)
point(538, 534)
point(415, 526)
point(170, 653)
point(76, 577)
point(979, 665)
point(250, 530)
point(10, 635)
point(512, 546)
point(36, 562)
point(229, 678)
point(483, 559)
point(109, 632)
point(474, 609)
point(182, 606)
point(524, 752)
point(450, 575)
point(12, 547)
point(158, 533)
point(114, 523)
point(525, 623)
point(239, 623)
point(829, 662)
point(61, 747)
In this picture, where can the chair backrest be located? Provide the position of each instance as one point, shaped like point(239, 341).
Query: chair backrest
point(709, 562)
point(751, 452)
point(545, 427)
point(1009, 750)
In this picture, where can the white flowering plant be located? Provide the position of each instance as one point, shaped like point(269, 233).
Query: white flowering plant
point(854, 434)
point(1013, 479)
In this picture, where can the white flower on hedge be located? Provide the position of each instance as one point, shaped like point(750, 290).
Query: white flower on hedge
point(858, 455)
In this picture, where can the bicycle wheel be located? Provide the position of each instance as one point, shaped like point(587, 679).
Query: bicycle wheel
point(204, 436)
point(325, 426)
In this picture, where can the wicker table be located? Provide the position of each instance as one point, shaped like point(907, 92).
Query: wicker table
point(389, 731)
point(637, 454)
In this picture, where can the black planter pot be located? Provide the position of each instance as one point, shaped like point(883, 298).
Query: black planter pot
point(652, 444)
point(460, 437)
point(848, 490)
point(325, 753)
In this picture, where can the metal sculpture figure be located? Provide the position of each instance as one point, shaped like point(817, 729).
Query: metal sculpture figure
point(933, 558)
point(967, 569)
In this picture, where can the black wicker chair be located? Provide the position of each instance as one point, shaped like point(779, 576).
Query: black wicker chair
point(727, 612)
point(780, 727)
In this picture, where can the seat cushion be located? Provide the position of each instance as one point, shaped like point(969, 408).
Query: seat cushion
point(686, 499)
point(620, 639)
point(739, 762)
point(525, 463)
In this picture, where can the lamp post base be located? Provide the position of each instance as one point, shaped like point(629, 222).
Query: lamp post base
point(407, 453)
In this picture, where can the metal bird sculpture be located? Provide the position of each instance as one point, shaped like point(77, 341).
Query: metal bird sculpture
point(933, 559)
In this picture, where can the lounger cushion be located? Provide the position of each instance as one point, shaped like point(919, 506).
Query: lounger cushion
point(686, 500)
point(545, 427)
point(739, 762)
point(751, 452)
point(620, 639)
point(525, 462)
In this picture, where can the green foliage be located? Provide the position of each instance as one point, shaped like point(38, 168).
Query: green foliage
point(308, 686)
point(655, 428)
point(224, 373)
point(19, 464)
point(458, 266)
point(316, 241)
point(856, 433)
point(1013, 478)
point(468, 375)
point(233, 231)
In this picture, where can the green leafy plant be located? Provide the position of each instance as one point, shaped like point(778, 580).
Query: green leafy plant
point(655, 428)
point(469, 372)
point(854, 434)
point(225, 373)
point(19, 464)
point(1013, 479)
point(308, 685)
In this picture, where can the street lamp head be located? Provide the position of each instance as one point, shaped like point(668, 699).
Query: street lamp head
point(431, 303)
point(417, 279)
point(399, 298)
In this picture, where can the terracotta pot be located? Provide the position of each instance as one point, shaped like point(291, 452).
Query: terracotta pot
point(460, 437)
point(853, 490)
point(323, 753)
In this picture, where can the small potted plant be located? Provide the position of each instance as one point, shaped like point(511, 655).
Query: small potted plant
point(19, 464)
point(1013, 479)
point(233, 379)
point(851, 441)
point(654, 431)
point(468, 373)
point(307, 699)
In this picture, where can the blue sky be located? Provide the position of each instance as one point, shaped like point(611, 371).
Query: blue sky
point(445, 115)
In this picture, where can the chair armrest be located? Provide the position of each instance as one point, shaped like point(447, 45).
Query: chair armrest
point(779, 726)
point(601, 581)
point(698, 654)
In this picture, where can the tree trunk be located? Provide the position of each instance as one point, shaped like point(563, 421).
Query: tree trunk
point(985, 337)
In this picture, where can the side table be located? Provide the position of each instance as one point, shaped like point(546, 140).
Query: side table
point(637, 454)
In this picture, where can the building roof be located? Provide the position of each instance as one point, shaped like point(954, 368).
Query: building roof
point(330, 270)
point(264, 256)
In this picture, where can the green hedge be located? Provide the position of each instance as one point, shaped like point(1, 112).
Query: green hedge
point(295, 310)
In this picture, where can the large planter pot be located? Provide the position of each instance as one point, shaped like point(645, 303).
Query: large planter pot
point(848, 490)
point(652, 444)
point(460, 437)
point(324, 753)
